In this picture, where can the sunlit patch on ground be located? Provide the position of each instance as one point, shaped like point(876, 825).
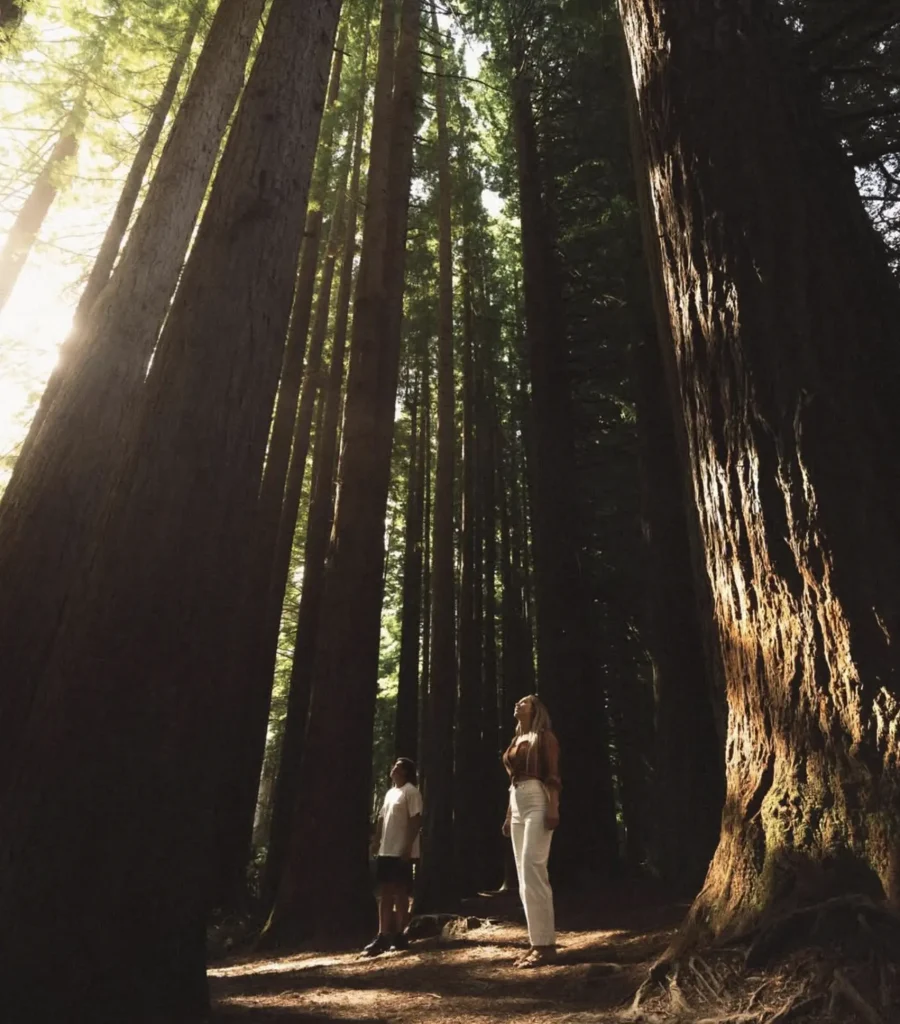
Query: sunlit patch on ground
point(462, 980)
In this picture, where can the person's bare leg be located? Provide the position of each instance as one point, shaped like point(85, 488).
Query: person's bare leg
point(402, 913)
point(386, 909)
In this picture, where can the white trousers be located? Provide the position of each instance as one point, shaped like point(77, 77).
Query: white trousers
point(531, 844)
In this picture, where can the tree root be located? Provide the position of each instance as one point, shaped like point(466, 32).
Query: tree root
point(833, 962)
point(842, 986)
point(821, 921)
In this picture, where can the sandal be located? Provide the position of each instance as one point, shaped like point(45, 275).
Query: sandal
point(522, 957)
point(539, 957)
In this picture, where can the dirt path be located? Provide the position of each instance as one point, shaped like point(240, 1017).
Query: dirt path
point(605, 947)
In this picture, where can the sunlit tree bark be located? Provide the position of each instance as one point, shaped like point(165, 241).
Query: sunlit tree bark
point(112, 240)
point(67, 464)
point(786, 361)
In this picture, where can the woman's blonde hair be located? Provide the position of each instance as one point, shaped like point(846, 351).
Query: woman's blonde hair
point(540, 717)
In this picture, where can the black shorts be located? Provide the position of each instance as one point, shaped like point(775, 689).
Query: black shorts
point(394, 871)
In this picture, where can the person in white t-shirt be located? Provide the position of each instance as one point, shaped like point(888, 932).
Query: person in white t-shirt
point(396, 849)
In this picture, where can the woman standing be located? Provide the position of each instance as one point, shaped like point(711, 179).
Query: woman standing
point(532, 761)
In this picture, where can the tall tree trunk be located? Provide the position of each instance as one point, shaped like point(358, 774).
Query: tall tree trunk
point(686, 662)
point(468, 781)
point(427, 526)
point(521, 672)
point(260, 633)
point(567, 669)
point(64, 474)
point(119, 768)
point(516, 654)
point(689, 769)
point(331, 824)
point(788, 429)
point(406, 732)
point(125, 324)
point(438, 883)
point(115, 232)
point(321, 513)
point(29, 220)
point(492, 747)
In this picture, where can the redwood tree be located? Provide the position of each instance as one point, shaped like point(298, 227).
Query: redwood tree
point(331, 822)
point(115, 232)
point(438, 888)
point(786, 357)
point(107, 820)
point(67, 464)
point(568, 668)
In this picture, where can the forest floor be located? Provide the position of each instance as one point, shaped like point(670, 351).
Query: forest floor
point(606, 946)
point(837, 962)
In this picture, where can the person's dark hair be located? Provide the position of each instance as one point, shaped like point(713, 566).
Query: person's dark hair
point(409, 767)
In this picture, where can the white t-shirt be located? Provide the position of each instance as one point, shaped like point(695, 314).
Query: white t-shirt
point(400, 804)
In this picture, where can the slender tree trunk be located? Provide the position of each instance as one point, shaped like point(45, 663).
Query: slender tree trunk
point(30, 218)
point(567, 667)
point(65, 472)
point(438, 882)
point(331, 823)
point(282, 489)
point(112, 240)
point(788, 431)
point(124, 325)
point(427, 575)
point(468, 782)
point(406, 732)
point(689, 770)
point(119, 770)
point(515, 657)
point(491, 743)
point(321, 514)
point(260, 632)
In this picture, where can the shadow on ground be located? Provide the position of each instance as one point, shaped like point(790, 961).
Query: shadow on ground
point(606, 944)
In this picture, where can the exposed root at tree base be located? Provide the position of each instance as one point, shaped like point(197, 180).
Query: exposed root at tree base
point(836, 962)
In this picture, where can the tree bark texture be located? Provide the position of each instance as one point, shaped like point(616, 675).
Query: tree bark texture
point(269, 565)
point(66, 469)
point(331, 823)
point(787, 374)
point(119, 770)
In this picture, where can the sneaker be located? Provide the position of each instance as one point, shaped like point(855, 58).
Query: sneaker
point(380, 944)
point(399, 941)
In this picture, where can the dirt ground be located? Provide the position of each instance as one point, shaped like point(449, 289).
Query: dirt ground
point(606, 944)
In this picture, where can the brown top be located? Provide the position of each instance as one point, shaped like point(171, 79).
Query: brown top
point(524, 760)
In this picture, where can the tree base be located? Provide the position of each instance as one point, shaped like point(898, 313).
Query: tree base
point(836, 961)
